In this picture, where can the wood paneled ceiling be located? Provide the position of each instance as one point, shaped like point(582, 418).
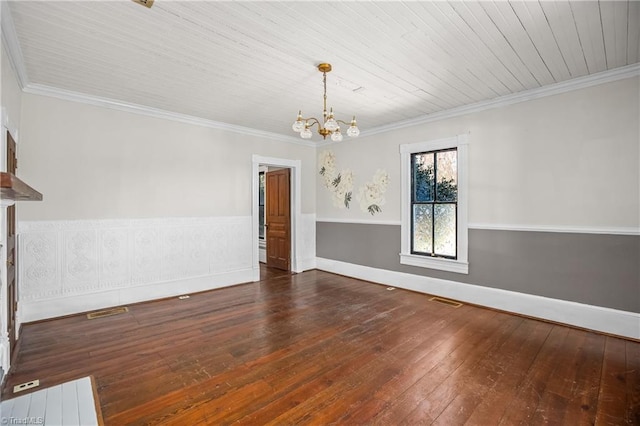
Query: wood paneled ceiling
point(253, 64)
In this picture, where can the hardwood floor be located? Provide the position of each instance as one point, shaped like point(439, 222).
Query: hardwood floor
point(317, 348)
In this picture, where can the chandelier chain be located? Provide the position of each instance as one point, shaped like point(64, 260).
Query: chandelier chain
point(324, 105)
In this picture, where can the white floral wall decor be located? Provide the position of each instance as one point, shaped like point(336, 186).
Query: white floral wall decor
point(371, 194)
point(339, 183)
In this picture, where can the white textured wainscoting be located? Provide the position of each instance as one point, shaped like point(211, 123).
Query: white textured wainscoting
point(67, 267)
point(612, 321)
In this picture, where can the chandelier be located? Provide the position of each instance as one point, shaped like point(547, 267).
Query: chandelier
point(329, 125)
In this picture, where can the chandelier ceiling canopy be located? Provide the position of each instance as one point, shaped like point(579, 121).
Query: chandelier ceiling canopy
point(329, 126)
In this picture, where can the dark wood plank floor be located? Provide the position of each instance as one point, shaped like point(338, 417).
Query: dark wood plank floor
point(317, 348)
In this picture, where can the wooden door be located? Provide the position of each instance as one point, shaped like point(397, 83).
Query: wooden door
point(11, 255)
point(278, 219)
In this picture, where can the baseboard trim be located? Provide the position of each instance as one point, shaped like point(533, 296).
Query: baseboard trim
point(597, 318)
point(308, 263)
point(42, 309)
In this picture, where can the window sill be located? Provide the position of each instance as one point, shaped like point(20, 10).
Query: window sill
point(449, 265)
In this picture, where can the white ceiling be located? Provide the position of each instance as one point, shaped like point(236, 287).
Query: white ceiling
point(253, 64)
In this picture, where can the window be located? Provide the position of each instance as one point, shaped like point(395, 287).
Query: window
point(261, 205)
point(434, 204)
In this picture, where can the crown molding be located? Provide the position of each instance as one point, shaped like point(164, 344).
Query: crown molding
point(526, 95)
point(67, 95)
point(10, 41)
point(541, 92)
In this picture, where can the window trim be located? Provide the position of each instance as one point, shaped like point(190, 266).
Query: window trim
point(461, 264)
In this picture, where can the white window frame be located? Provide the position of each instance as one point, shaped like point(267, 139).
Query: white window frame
point(461, 264)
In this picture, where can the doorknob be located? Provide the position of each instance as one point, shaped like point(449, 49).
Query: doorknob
point(10, 262)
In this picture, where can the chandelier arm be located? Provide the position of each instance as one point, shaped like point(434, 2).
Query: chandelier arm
point(344, 122)
point(312, 120)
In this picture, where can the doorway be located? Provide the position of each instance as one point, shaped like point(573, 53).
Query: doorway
point(293, 239)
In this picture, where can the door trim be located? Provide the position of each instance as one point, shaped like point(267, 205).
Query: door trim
point(5, 352)
point(296, 209)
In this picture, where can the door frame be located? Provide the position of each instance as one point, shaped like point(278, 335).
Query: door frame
point(296, 209)
point(5, 349)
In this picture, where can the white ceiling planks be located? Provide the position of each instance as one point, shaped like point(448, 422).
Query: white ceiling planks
point(387, 81)
point(455, 61)
point(306, 24)
point(249, 51)
point(244, 66)
point(560, 18)
point(614, 30)
point(307, 40)
point(427, 47)
point(121, 65)
point(253, 63)
point(452, 68)
point(394, 54)
point(509, 24)
point(588, 22)
point(533, 19)
point(485, 30)
point(633, 32)
point(491, 72)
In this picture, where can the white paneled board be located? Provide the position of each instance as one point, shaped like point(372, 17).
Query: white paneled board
point(71, 403)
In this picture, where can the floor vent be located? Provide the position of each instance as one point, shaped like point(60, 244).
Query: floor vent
point(25, 386)
point(107, 313)
point(452, 303)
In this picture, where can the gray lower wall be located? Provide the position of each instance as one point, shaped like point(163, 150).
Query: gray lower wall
point(594, 269)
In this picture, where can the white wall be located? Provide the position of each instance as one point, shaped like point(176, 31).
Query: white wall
point(11, 93)
point(570, 159)
point(136, 207)
point(92, 162)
